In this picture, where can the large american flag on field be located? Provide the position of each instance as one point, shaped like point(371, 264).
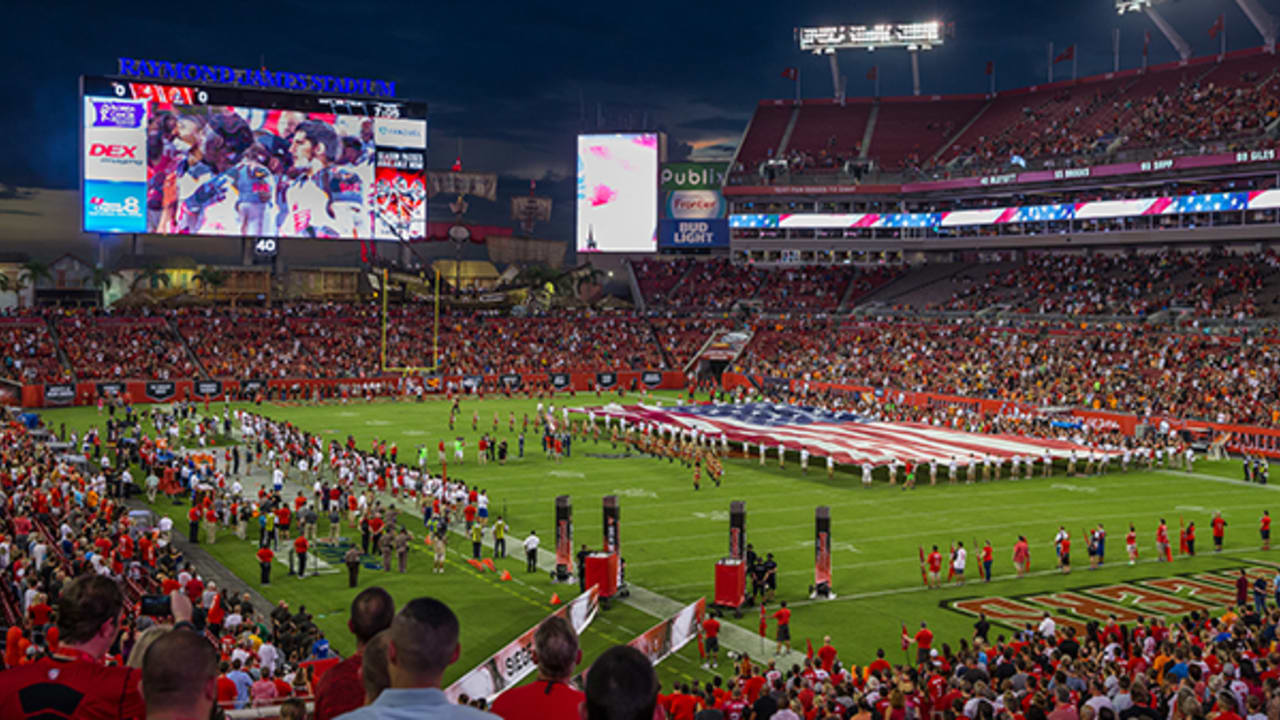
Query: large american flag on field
point(847, 437)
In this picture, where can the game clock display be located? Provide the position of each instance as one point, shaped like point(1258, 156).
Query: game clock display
point(210, 160)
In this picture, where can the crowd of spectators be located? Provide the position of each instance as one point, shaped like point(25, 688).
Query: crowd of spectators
point(109, 347)
point(681, 337)
point(1209, 284)
point(30, 354)
point(808, 288)
point(1146, 373)
point(657, 277)
point(1217, 664)
point(245, 343)
point(717, 284)
point(553, 343)
point(1072, 128)
point(62, 522)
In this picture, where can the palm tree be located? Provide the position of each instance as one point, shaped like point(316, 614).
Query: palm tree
point(100, 278)
point(209, 277)
point(587, 275)
point(33, 271)
point(15, 285)
point(153, 275)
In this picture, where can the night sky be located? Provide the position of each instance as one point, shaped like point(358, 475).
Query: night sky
point(516, 81)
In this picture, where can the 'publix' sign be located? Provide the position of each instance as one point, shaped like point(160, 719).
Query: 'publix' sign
point(693, 176)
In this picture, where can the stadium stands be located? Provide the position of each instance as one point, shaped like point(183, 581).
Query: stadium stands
point(1170, 109)
point(1209, 285)
point(121, 348)
point(1145, 373)
point(245, 344)
point(656, 278)
point(30, 354)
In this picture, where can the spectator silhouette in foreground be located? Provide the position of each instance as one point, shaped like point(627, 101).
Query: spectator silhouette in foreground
point(72, 681)
point(621, 685)
point(556, 652)
point(423, 642)
point(179, 676)
point(341, 689)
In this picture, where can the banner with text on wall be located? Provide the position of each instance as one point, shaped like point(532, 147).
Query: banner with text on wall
point(507, 667)
point(694, 212)
point(667, 637)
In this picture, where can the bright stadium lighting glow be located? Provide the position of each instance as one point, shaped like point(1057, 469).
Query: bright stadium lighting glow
point(1126, 6)
point(913, 36)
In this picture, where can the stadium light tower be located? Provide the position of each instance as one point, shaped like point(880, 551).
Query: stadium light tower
point(915, 37)
point(1262, 21)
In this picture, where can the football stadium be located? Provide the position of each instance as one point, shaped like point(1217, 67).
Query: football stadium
point(896, 405)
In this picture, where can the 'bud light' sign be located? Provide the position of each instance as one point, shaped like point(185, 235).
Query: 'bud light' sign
point(709, 233)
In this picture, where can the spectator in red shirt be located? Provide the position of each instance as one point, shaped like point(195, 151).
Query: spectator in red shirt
point(195, 589)
point(827, 654)
point(924, 642)
point(226, 687)
point(711, 629)
point(783, 616)
point(265, 556)
point(340, 688)
point(74, 682)
point(39, 611)
point(300, 549)
point(555, 650)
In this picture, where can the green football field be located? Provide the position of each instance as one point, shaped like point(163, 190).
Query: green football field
point(671, 537)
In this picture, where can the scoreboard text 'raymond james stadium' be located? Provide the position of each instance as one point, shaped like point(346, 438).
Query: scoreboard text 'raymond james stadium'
point(261, 78)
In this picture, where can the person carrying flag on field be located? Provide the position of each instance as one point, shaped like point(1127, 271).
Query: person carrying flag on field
point(935, 568)
point(1063, 545)
point(1021, 556)
point(1062, 537)
point(959, 559)
point(987, 555)
point(923, 641)
point(1163, 551)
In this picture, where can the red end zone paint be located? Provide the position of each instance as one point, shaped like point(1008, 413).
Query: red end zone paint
point(1149, 600)
point(1086, 607)
point(1012, 613)
point(1149, 597)
point(1215, 594)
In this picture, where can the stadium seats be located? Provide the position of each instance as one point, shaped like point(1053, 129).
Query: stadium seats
point(1201, 106)
point(122, 348)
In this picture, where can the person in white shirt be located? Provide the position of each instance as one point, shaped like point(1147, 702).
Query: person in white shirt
point(531, 552)
point(959, 562)
point(1048, 628)
point(804, 460)
point(866, 475)
point(268, 656)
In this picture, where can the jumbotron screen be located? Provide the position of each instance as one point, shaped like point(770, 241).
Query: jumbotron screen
point(617, 192)
point(171, 159)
